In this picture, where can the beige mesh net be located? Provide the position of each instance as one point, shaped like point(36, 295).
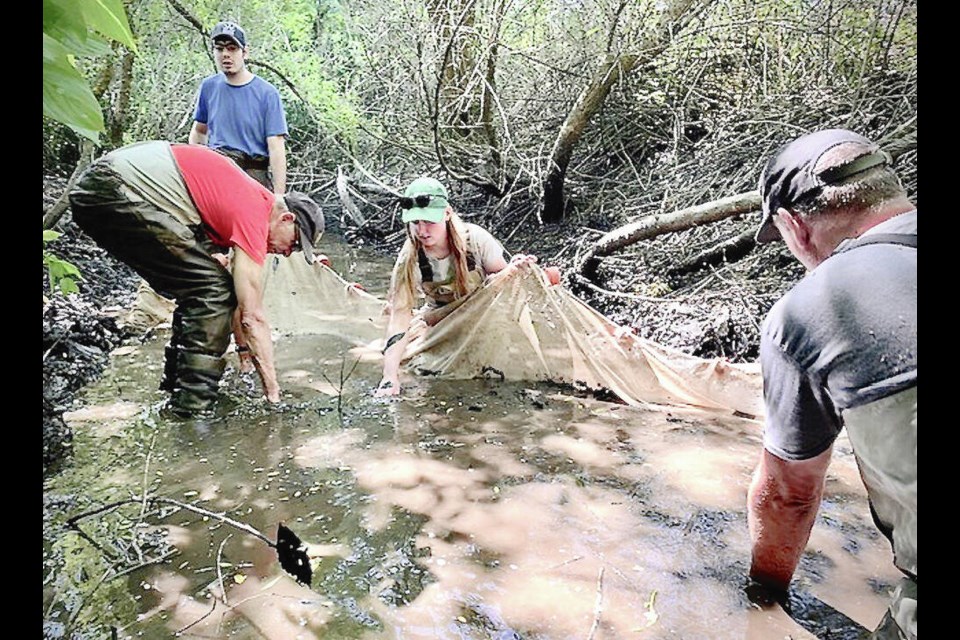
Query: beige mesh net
point(519, 327)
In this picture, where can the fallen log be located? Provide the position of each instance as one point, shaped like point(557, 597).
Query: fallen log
point(903, 141)
point(652, 226)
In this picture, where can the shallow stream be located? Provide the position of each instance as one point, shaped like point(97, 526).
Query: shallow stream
point(468, 509)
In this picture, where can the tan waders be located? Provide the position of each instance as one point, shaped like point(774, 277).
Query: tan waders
point(884, 438)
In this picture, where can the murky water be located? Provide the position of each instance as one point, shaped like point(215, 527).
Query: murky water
point(470, 509)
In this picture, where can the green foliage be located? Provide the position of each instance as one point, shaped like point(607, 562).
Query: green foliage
point(68, 27)
point(63, 275)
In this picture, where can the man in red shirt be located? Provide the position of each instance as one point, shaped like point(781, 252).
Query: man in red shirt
point(167, 210)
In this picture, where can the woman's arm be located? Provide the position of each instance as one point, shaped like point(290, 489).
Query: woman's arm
point(492, 253)
point(397, 339)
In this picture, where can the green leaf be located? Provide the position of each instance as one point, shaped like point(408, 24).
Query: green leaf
point(89, 45)
point(61, 268)
point(67, 285)
point(109, 18)
point(67, 97)
point(63, 22)
point(50, 234)
point(63, 275)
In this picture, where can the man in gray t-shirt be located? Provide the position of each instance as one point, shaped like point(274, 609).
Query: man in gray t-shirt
point(839, 350)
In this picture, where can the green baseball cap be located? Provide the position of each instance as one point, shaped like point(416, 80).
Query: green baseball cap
point(425, 199)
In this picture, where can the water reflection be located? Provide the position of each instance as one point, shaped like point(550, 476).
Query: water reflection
point(471, 509)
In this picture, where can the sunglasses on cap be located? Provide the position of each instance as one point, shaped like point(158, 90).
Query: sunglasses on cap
point(420, 201)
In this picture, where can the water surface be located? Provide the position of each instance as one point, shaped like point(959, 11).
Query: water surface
point(469, 509)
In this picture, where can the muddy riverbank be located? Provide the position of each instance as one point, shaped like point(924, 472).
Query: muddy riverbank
point(79, 332)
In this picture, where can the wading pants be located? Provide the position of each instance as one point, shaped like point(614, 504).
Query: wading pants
point(175, 259)
point(884, 438)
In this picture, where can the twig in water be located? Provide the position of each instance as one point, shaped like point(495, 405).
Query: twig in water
point(598, 608)
point(223, 589)
point(146, 563)
point(198, 620)
point(218, 516)
point(143, 503)
point(72, 522)
point(343, 382)
point(565, 563)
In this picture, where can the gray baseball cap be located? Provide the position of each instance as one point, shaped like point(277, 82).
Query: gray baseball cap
point(309, 220)
point(791, 175)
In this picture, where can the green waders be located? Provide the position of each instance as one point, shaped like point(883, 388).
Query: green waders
point(175, 259)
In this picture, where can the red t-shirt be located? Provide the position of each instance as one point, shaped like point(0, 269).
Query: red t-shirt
point(234, 205)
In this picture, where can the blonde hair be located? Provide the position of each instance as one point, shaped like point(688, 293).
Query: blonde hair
point(403, 292)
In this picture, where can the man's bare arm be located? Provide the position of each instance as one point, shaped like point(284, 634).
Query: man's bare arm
point(277, 148)
point(782, 506)
point(198, 133)
point(247, 276)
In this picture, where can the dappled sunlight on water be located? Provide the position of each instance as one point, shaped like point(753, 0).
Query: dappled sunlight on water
point(472, 509)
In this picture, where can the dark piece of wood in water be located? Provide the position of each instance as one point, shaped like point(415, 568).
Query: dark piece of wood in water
point(292, 555)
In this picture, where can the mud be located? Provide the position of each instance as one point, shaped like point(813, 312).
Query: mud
point(77, 335)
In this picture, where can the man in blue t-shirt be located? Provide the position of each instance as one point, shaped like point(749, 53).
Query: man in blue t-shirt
point(839, 350)
point(240, 114)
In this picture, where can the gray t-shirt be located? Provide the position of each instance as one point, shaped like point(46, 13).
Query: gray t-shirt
point(844, 336)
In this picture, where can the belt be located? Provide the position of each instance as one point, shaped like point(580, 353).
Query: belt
point(246, 161)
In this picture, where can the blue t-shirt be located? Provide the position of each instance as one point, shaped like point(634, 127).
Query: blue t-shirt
point(844, 337)
point(240, 117)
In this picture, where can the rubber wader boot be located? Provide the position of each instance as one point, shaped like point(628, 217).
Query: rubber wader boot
point(169, 380)
point(198, 377)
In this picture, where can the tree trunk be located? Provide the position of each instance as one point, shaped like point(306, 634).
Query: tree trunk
point(489, 95)
point(651, 226)
point(674, 17)
point(587, 105)
point(52, 216)
point(118, 115)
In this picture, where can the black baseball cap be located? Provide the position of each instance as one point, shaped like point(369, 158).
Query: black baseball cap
point(792, 175)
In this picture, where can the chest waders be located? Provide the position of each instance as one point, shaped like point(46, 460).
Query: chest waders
point(173, 254)
point(443, 293)
point(257, 167)
point(884, 438)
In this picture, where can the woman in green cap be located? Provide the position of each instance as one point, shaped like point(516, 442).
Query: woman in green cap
point(444, 259)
